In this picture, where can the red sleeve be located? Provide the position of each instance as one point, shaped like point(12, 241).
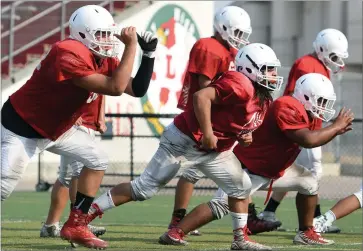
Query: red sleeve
point(204, 62)
point(71, 65)
point(230, 89)
point(288, 117)
point(113, 63)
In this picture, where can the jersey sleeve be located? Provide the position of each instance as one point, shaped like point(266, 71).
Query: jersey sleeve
point(113, 63)
point(203, 61)
point(70, 65)
point(230, 89)
point(288, 117)
point(294, 75)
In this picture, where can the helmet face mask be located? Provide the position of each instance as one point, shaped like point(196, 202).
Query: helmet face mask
point(104, 43)
point(94, 26)
point(238, 38)
point(269, 78)
point(234, 26)
point(334, 63)
point(259, 63)
point(316, 93)
point(322, 107)
point(331, 47)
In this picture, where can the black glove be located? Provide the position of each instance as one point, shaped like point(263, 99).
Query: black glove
point(148, 42)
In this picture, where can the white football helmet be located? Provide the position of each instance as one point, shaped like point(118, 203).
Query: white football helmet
point(234, 25)
point(316, 93)
point(331, 46)
point(255, 61)
point(94, 26)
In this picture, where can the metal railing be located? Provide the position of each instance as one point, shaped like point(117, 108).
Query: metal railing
point(10, 11)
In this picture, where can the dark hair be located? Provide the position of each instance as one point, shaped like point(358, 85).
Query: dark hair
point(262, 94)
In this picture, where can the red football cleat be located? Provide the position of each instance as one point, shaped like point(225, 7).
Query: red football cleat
point(75, 230)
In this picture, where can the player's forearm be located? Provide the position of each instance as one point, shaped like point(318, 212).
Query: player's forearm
point(141, 82)
point(202, 110)
point(121, 76)
point(101, 117)
point(320, 137)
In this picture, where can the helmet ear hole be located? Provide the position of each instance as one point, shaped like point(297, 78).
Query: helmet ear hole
point(224, 28)
point(248, 70)
point(239, 68)
point(306, 98)
point(82, 35)
point(321, 49)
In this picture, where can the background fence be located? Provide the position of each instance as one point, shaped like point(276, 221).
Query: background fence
point(343, 153)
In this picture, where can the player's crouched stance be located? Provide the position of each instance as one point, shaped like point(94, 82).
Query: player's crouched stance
point(288, 126)
point(41, 114)
point(227, 109)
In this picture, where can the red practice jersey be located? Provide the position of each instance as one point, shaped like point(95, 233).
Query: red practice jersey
point(304, 65)
point(208, 57)
point(91, 115)
point(49, 101)
point(271, 151)
point(237, 113)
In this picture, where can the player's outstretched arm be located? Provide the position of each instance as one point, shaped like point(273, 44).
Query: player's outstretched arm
point(314, 138)
point(115, 85)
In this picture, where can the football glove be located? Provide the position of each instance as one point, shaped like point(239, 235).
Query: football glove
point(148, 42)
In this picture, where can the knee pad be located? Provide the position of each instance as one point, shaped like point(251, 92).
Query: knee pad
point(65, 172)
point(192, 175)
point(359, 196)
point(5, 193)
point(65, 180)
point(219, 208)
point(309, 185)
point(100, 162)
point(76, 170)
point(140, 190)
point(8, 184)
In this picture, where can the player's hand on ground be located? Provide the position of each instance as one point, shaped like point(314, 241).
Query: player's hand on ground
point(208, 142)
point(344, 121)
point(79, 121)
point(148, 42)
point(245, 139)
point(128, 35)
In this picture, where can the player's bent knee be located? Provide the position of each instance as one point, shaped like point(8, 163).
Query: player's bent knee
point(140, 191)
point(7, 186)
point(219, 208)
point(359, 196)
point(100, 164)
point(76, 173)
point(192, 176)
point(309, 188)
point(5, 194)
point(65, 181)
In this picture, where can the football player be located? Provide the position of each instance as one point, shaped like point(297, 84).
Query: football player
point(330, 50)
point(343, 208)
point(41, 114)
point(288, 125)
point(209, 58)
point(231, 106)
point(66, 185)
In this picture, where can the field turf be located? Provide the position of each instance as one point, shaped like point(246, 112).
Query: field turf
point(138, 225)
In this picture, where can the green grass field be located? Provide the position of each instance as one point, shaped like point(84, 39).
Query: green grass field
point(137, 226)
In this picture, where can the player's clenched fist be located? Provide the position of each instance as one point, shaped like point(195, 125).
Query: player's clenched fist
point(128, 35)
point(245, 139)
